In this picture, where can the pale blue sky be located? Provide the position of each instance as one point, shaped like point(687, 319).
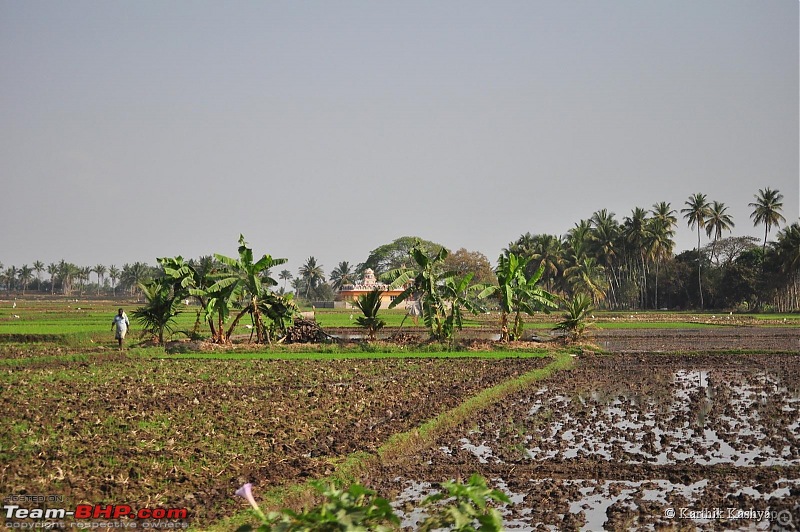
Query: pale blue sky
point(132, 130)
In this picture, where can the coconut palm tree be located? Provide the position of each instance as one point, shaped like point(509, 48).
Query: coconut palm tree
point(134, 274)
point(660, 245)
point(11, 278)
point(52, 271)
point(113, 274)
point(312, 274)
point(38, 267)
point(662, 231)
point(718, 220)
point(788, 247)
point(696, 213)
point(767, 210)
point(66, 272)
point(285, 275)
point(25, 276)
point(341, 275)
point(605, 247)
point(547, 252)
point(100, 270)
point(635, 230)
point(588, 277)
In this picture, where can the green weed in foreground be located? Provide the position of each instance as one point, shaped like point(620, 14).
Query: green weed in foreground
point(358, 509)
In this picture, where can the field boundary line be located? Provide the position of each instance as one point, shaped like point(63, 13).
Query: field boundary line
point(352, 467)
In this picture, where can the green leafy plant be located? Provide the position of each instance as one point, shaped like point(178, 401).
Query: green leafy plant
point(576, 312)
point(157, 316)
point(442, 294)
point(464, 507)
point(355, 509)
point(469, 508)
point(278, 309)
point(369, 304)
point(517, 293)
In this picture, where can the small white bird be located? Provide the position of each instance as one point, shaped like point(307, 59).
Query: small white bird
point(14, 305)
point(248, 326)
point(16, 316)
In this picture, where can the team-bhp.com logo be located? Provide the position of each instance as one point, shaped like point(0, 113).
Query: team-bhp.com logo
point(120, 516)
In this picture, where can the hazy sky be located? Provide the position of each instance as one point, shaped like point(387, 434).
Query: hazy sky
point(133, 130)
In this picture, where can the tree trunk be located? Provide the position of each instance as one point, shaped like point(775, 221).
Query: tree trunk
point(699, 282)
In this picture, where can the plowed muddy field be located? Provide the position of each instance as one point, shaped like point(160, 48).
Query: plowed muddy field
point(187, 433)
point(630, 441)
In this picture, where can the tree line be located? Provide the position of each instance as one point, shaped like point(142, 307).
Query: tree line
point(627, 264)
point(630, 264)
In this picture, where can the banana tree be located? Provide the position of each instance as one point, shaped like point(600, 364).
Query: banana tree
point(422, 282)
point(443, 294)
point(279, 309)
point(191, 282)
point(249, 281)
point(458, 293)
point(517, 293)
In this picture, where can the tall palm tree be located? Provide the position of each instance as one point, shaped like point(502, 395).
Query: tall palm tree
point(134, 274)
point(100, 270)
point(341, 275)
point(578, 239)
point(588, 277)
point(635, 230)
point(312, 274)
point(113, 274)
point(10, 278)
point(547, 252)
point(662, 232)
point(38, 267)
point(25, 276)
point(84, 274)
point(718, 220)
point(52, 271)
point(285, 275)
point(696, 213)
point(788, 247)
point(604, 244)
point(767, 210)
point(664, 212)
point(66, 271)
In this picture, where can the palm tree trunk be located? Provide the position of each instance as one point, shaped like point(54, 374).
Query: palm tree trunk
point(699, 282)
point(656, 287)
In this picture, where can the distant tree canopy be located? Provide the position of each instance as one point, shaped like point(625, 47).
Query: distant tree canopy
point(396, 254)
point(463, 262)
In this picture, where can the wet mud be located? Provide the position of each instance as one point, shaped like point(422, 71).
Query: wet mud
point(621, 441)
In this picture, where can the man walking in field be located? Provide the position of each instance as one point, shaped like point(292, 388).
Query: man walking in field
point(121, 323)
